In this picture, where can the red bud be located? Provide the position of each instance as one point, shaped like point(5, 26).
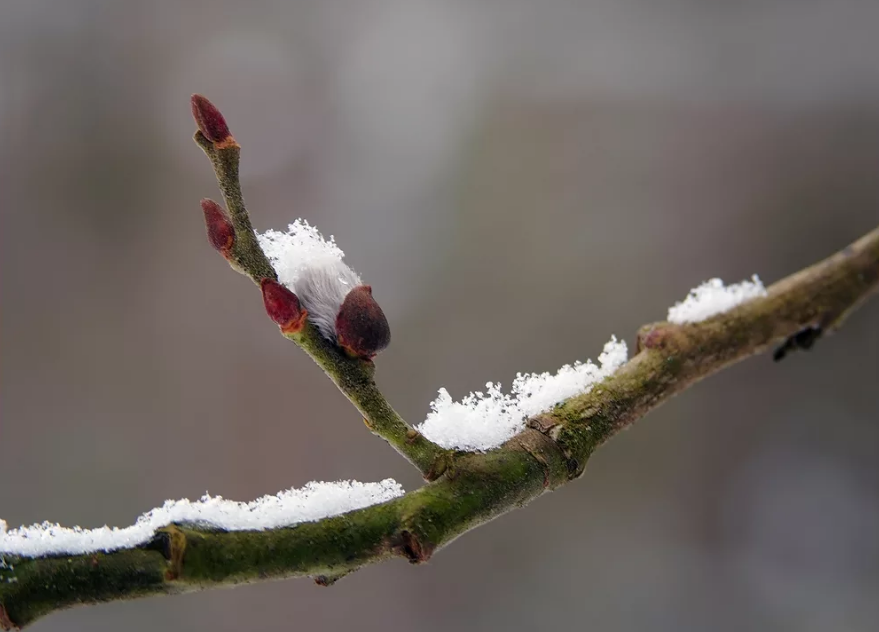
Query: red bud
point(209, 120)
point(361, 327)
point(282, 306)
point(220, 231)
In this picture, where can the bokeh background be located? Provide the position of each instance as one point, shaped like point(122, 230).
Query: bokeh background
point(518, 181)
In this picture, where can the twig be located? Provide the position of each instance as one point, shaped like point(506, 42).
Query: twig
point(353, 376)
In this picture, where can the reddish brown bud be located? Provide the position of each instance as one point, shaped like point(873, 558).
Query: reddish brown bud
point(220, 231)
point(283, 306)
point(361, 327)
point(209, 120)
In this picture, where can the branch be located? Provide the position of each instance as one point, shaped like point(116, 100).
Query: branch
point(552, 451)
point(353, 376)
point(468, 489)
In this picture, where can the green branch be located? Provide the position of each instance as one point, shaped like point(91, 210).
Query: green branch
point(482, 486)
point(353, 376)
point(467, 489)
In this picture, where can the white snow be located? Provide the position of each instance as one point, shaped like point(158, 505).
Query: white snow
point(301, 247)
point(312, 267)
point(312, 502)
point(712, 298)
point(484, 420)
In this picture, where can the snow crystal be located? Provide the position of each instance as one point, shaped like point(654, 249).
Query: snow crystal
point(713, 298)
point(484, 420)
point(312, 502)
point(301, 247)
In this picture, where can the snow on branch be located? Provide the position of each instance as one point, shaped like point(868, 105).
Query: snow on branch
point(309, 503)
point(712, 298)
point(301, 247)
point(492, 483)
point(466, 490)
point(485, 420)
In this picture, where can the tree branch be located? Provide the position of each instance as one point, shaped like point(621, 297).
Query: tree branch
point(552, 451)
point(353, 376)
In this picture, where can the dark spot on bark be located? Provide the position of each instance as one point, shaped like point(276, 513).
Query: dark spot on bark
point(652, 339)
point(412, 548)
point(542, 423)
point(160, 542)
point(329, 580)
point(804, 339)
point(171, 543)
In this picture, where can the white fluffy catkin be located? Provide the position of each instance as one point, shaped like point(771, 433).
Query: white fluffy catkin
point(322, 290)
point(312, 267)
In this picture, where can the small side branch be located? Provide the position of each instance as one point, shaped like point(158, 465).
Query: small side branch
point(353, 376)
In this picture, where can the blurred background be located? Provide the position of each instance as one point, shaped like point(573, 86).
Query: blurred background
point(518, 181)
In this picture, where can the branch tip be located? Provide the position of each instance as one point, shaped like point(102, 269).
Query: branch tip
point(210, 121)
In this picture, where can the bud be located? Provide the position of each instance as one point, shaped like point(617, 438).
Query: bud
point(209, 120)
point(221, 234)
point(361, 327)
point(282, 306)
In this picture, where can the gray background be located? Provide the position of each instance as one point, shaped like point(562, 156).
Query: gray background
point(518, 181)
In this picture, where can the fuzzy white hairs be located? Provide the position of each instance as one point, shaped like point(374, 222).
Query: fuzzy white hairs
point(312, 267)
point(337, 302)
point(322, 290)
